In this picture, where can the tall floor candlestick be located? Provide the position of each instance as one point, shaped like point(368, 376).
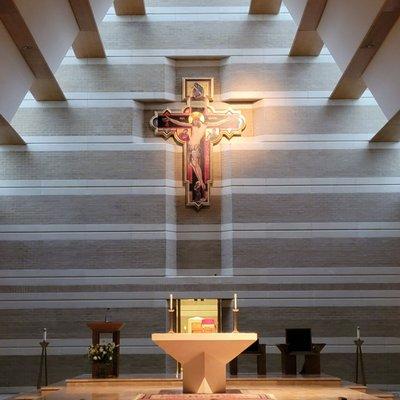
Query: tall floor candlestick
point(359, 363)
point(43, 362)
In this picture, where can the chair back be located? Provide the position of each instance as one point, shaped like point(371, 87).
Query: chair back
point(299, 340)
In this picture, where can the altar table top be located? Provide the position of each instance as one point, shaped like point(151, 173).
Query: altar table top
point(223, 346)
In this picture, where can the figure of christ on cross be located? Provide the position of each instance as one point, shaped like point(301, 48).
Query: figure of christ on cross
point(197, 129)
point(197, 138)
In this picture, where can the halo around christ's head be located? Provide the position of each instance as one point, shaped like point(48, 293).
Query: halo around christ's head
point(196, 115)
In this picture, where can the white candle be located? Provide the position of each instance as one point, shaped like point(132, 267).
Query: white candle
point(44, 335)
point(235, 301)
point(358, 332)
point(170, 302)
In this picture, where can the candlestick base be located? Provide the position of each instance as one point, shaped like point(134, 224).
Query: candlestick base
point(171, 320)
point(235, 320)
point(43, 364)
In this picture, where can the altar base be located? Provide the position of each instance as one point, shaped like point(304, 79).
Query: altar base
point(204, 357)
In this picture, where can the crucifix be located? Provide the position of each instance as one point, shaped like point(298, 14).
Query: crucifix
point(197, 127)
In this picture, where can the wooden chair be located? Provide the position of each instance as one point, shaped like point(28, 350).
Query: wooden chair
point(256, 349)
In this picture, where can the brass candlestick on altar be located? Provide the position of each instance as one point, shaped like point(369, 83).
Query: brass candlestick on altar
point(171, 313)
point(235, 320)
point(43, 364)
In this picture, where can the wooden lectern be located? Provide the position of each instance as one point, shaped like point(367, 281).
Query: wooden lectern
point(107, 327)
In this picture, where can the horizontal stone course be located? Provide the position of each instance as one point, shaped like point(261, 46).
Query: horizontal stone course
point(84, 165)
point(93, 209)
point(315, 207)
point(66, 323)
point(312, 163)
point(278, 77)
point(155, 209)
point(324, 321)
point(322, 120)
point(116, 78)
point(82, 254)
point(315, 252)
point(247, 253)
point(153, 291)
point(75, 121)
point(188, 35)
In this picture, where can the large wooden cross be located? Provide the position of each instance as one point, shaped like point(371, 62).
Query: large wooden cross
point(197, 127)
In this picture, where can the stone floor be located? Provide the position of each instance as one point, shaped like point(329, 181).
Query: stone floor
point(135, 386)
point(130, 388)
point(278, 392)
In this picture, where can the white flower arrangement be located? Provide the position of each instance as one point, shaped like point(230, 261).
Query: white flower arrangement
point(103, 353)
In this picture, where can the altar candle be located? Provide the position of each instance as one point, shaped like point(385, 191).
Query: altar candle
point(170, 302)
point(235, 301)
point(44, 334)
point(358, 332)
